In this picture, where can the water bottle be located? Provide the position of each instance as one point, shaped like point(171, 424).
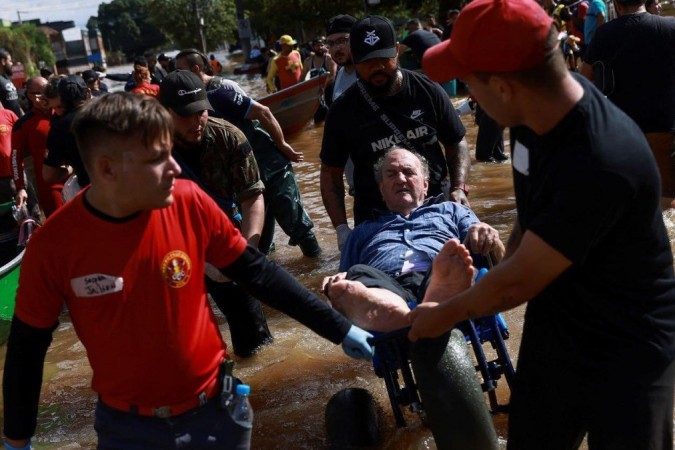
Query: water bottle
point(242, 413)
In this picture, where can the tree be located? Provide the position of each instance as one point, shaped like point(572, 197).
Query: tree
point(179, 19)
point(304, 19)
point(126, 26)
point(28, 45)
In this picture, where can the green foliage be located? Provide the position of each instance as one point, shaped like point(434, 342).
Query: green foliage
point(126, 27)
point(28, 45)
point(178, 19)
point(303, 19)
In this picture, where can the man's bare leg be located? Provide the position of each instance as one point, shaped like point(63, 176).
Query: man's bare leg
point(372, 309)
point(452, 272)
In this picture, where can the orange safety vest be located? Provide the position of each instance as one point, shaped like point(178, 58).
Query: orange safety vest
point(289, 69)
point(217, 67)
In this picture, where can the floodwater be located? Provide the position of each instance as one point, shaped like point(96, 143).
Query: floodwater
point(292, 379)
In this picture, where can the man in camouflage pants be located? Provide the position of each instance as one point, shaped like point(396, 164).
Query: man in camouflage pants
point(216, 155)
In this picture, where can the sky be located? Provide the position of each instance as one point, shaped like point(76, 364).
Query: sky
point(50, 11)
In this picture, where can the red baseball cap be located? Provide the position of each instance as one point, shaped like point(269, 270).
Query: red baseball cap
point(491, 36)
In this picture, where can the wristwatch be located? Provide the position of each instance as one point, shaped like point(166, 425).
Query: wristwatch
point(464, 187)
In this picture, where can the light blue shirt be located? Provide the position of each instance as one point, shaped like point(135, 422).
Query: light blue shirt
point(591, 22)
point(383, 243)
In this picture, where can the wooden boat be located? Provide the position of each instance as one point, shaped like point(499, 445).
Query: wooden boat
point(9, 280)
point(295, 106)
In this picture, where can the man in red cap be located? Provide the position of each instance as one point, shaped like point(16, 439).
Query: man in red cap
point(589, 245)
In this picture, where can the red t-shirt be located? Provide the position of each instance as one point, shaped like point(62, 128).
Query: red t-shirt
point(7, 121)
point(135, 292)
point(29, 138)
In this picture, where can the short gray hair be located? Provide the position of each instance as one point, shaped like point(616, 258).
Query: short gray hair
point(380, 162)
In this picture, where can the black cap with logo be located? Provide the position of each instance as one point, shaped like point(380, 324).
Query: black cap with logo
point(184, 93)
point(372, 37)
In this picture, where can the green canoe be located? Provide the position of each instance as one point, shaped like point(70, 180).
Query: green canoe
point(9, 280)
point(9, 273)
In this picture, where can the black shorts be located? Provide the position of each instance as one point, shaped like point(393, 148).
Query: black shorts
point(409, 286)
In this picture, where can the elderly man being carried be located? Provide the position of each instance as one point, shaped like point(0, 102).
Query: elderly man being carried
point(386, 260)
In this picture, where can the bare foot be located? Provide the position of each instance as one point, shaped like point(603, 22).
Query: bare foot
point(372, 309)
point(452, 272)
point(327, 281)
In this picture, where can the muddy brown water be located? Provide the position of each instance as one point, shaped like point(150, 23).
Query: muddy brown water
point(292, 379)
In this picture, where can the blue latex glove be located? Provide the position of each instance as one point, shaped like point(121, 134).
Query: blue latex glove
point(480, 274)
point(9, 446)
point(355, 344)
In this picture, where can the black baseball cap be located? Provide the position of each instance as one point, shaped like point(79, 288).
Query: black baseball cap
point(183, 92)
point(89, 75)
point(372, 37)
point(71, 90)
point(342, 23)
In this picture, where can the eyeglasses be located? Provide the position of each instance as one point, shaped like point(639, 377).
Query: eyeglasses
point(338, 42)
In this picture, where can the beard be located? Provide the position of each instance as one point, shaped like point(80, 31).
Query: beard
point(380, 90)
point(319, 52)
point(342, 59)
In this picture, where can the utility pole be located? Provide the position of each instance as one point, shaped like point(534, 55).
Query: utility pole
point(200, 24)
point(244, 29)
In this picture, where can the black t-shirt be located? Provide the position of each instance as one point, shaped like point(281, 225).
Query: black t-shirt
point(9, 97)
point(62, 148)
point(419, 41)
point(421, 111)
point(232, 106)
point(590, 189)
point(641, 50)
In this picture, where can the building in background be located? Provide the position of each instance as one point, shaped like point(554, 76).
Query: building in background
point(74, 48)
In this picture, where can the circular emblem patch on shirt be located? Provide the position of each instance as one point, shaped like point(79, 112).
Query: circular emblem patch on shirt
point(176, 268)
